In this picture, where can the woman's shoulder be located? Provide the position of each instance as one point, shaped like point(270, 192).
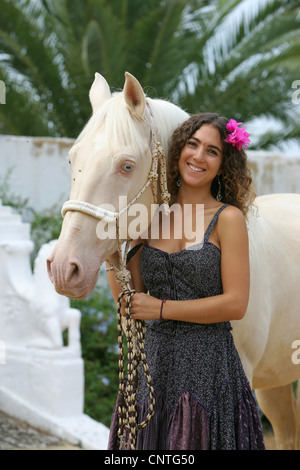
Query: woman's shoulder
point(231, 212)
point(231, 218)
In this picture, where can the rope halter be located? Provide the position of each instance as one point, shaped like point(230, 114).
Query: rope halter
point(134, 329)
point(110, 216)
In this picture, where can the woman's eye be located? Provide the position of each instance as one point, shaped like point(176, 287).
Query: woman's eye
point(127, 167)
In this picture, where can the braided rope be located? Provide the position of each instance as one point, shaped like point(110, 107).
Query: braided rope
point(165, 195)
point(127, 412)
point(135, 334)
point(135, 330)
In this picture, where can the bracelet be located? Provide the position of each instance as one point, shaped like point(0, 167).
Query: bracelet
point(161, 307)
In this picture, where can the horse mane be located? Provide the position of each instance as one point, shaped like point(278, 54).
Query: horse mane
point(167, 117)
point(121, 127)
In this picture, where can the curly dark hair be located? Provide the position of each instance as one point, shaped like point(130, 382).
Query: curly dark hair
point(235, 178)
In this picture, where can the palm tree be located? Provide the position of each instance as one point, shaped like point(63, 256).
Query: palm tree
point(237, 57)
point(51, 50)
point(244, 64)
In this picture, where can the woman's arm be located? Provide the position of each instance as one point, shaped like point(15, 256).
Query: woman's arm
point(232, 304)
point(133, 266)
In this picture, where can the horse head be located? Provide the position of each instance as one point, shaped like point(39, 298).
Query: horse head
point(110, 165)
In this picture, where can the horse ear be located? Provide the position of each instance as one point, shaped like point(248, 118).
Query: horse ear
point(99, 92)
point(134, 95)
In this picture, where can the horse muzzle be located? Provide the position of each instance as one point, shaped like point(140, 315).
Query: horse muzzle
point(69, 278)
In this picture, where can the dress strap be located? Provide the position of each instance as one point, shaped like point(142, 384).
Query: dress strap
point(132, 252)
point(213, 222)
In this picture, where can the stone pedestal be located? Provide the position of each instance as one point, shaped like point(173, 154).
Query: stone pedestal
point(51, 381)
point(41, 380)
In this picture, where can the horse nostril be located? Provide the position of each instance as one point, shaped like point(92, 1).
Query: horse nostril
point(49, 270)
point(74, 273)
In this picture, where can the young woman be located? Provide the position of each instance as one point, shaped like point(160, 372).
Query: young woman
point(187, 294)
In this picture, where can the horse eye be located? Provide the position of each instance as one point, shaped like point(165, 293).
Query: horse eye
point(127, 167)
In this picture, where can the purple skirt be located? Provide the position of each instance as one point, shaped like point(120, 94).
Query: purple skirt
point(190, 426)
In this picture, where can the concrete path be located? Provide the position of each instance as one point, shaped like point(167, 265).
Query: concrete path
point(16, 435)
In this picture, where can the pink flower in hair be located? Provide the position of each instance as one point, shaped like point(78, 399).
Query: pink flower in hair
point(237, 137)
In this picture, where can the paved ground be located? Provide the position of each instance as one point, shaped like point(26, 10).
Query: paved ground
point(16, 435)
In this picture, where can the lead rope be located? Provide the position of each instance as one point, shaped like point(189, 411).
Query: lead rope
point(135, 330)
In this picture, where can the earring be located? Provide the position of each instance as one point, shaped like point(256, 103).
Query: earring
point(219, 194)
point(178, 182)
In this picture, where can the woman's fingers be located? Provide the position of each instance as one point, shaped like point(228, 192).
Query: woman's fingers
point(124, 304)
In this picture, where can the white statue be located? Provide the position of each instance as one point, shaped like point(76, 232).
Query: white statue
point(52, 311)
point(32, 314)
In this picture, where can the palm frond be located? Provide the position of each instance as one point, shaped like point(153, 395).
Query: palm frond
point(235, 57)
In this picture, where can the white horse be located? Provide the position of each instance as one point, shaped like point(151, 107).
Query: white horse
point(112, 157)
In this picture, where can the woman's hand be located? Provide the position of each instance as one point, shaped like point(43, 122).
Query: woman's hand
point(143, 307)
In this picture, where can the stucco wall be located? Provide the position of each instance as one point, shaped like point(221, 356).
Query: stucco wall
point(39, 170)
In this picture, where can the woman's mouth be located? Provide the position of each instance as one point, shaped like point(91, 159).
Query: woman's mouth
point(195, 168)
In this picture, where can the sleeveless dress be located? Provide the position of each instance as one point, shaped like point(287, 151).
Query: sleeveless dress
point(203, 398)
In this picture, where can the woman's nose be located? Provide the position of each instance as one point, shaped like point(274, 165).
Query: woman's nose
point(199, 154)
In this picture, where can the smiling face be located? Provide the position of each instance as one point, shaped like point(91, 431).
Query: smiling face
point(201, 157)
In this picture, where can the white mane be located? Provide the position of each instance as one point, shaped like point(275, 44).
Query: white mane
point(167, 118)
point(121, 127)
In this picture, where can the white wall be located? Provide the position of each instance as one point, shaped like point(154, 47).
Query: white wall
point(41, 172)
point(40, 169)
point(275, 172)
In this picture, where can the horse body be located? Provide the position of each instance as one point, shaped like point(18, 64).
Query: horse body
point(119, 136)
point(272, 319)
